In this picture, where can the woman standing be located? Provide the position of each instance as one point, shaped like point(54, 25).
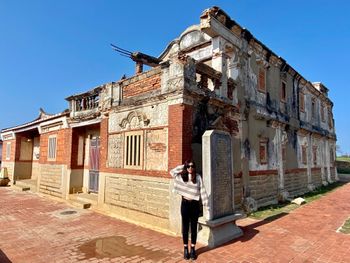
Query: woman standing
point(190, 186)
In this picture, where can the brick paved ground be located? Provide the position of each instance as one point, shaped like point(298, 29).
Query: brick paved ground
point(33, 229)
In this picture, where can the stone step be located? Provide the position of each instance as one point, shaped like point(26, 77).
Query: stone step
point(87, 198)
point(82, 199)
point(80, 204)
point(20, 187)
point(25, 186)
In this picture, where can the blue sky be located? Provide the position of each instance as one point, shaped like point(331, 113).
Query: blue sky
point(51, 49)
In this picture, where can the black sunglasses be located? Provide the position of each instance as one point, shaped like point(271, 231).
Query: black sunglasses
point(191, 165)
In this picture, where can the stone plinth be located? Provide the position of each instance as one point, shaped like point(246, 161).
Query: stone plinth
point(4, 180)
point(219, 231)
point(218, 226)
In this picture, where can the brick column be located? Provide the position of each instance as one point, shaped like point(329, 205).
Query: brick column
point(180, 134)
point(17, 148)
point(68, 143)
point(75, 148)
point(103, 144)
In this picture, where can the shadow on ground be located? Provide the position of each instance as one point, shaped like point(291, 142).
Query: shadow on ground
point(249, 231)
point(4, 258)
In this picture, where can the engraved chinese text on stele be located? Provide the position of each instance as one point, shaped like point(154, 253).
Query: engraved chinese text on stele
point(222, 184)
point(217, 172)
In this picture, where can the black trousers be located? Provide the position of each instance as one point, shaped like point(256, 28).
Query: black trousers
point(189, 214)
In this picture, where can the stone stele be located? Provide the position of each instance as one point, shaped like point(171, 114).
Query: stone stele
point(218, 225)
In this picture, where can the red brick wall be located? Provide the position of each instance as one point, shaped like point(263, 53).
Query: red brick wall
point(275, 172)
point(104, 158)
point(74, 157)
point(232, 125)
point(13, 150)
point(63, 150)
point(135, 172)
point(295, 170)
point(76, 132)
point(180, 134)
point(66, 147)
point(263, 172)
point(103, 145)
point(143, 85)
point(18, 147)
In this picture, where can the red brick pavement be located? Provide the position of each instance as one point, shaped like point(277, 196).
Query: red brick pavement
point(32, 229)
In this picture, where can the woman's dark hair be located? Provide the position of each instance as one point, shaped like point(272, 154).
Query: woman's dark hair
point(184, 174)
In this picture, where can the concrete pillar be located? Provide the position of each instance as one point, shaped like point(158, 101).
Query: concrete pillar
point(328, 163)
point(116, 94)
point(310, 186)
point(219, 63)
point(323, 162)
point(279, 157)
point(278, 141)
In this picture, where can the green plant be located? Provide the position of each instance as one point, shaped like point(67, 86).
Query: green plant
point(343, 158)
point(345, 227)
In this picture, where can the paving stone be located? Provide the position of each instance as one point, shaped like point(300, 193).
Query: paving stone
point(34, 234)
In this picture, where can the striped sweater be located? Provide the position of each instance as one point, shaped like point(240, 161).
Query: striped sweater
point(188, 189)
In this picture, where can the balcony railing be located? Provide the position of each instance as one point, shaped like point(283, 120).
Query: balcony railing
point(87, 103)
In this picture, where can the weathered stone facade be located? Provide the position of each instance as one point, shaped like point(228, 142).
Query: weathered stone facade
point(119, 140)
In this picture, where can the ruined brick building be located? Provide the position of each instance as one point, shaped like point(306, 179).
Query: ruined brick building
point(118, 141)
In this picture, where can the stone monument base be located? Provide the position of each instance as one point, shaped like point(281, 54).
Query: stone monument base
point(219, 231)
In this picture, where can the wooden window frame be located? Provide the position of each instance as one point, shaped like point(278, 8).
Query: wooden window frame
point(302, 102)
point(283, 91)
point(314, 155)
point(8, 151)
point(133, 150)
point(304, 154)
point(313, 107)
point(323, 119)
point(52, 148)
point(81, 149)
point(263, 152)
point(330, 119)
point(262, 80)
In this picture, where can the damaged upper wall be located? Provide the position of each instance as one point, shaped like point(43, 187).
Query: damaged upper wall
point(316, 110)
point(214, 66)
point(270, 84)
point(221, 60)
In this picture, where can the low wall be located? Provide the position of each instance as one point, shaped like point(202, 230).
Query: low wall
point(140, 199)
point(333, 176)
point(342, 165)
point(316, 177)
point(296, 182)
point(144, 194)
point(263, 187)
point(23, 170)
point(35, 170)
point(51, 180)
